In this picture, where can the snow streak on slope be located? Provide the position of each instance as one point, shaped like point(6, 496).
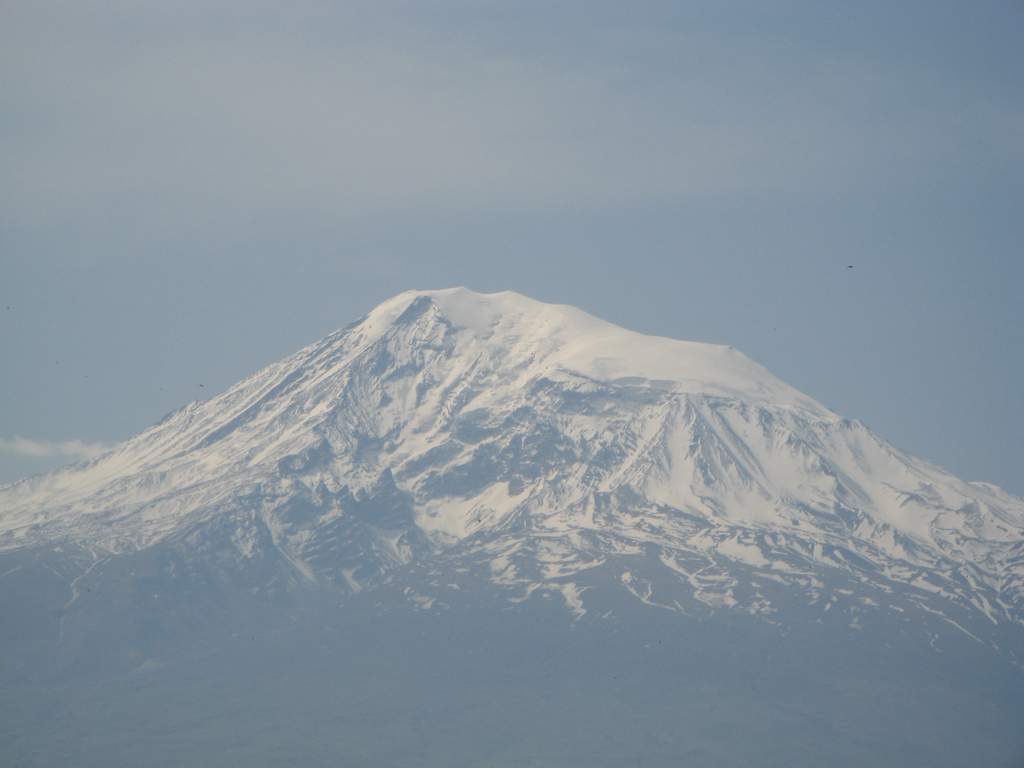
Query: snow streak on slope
point(542, 446)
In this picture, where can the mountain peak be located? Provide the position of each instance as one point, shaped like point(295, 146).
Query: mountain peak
point(562, 337)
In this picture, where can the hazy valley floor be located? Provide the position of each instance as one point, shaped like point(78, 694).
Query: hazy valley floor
point(369, 685)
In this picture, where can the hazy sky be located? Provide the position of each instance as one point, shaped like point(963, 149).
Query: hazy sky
point(186, 195)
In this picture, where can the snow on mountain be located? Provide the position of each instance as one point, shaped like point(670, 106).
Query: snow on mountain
point(539, 448)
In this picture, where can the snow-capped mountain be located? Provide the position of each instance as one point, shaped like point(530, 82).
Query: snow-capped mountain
point(476, 529)
point(451, 437)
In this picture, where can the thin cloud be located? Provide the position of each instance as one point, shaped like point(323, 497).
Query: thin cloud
point(46, 449)
point(175, 127)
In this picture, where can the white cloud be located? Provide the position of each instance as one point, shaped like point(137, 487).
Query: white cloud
point(45, 449)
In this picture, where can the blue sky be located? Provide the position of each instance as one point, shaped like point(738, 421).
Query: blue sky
point(189, 193)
